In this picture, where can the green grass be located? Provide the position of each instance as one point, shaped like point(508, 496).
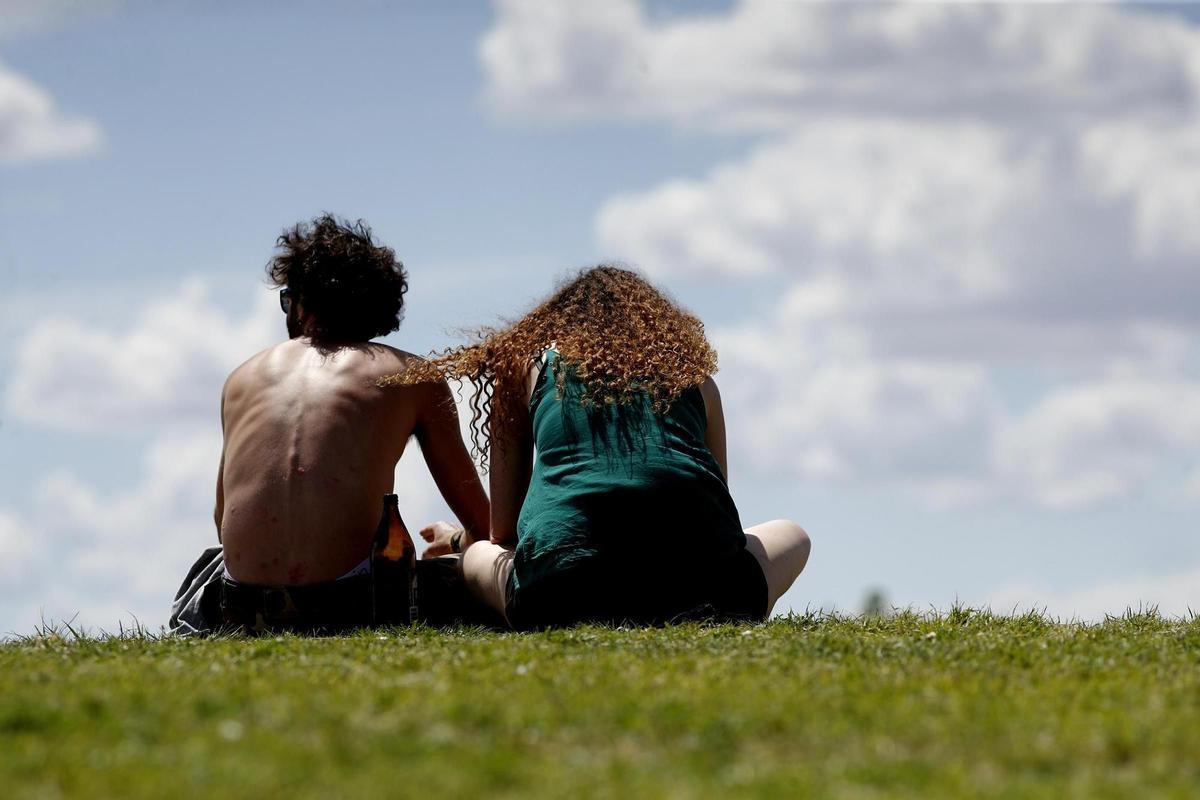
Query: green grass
point(958, 705)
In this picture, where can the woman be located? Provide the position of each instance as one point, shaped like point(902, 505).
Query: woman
point(602, 426)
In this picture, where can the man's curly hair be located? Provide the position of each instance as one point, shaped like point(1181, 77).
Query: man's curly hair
point(619, 335)
point(351, 288)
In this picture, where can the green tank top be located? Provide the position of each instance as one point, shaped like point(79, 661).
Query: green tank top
point(615, 483)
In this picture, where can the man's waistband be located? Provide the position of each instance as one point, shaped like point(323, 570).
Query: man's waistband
point(334, 605)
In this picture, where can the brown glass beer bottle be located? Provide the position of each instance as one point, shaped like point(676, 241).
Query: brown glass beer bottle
point(393, 568)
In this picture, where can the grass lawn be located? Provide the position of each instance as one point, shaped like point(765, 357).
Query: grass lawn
point(964, 704)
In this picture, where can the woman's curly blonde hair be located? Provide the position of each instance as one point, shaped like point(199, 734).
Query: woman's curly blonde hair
point(619, 335)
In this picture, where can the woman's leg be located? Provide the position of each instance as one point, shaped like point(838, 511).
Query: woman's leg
point(781, 548)
point(486, 568)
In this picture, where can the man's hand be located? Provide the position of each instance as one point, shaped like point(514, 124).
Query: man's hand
point(439, 535)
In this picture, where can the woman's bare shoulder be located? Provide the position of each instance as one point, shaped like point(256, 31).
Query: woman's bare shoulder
point(711, 396)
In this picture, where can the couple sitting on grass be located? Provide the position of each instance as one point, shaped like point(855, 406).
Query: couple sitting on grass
point(597, 418)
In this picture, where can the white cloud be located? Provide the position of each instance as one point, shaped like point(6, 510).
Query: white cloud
point(767, 65)
point(950, 237)
point(1101, 441)
point(133, 544)
point(1191, 487)
point(924, 261)
point(814, 402)
point(166, 369)
point(815, 396)
point(102, 558)
point(1154, 166)
point(891, 202)
point(1175, 594)
point(16, 545)
point(32, 128)
point(553, 51)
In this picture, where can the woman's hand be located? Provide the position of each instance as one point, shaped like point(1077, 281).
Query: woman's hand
point(440, 536)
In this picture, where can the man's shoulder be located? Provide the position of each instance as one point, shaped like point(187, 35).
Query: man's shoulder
point(243, 371)
point(397, 354)
point(370, 360)
point(394, 361)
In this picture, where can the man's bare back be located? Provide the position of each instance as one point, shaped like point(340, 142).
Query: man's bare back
point(311, 445)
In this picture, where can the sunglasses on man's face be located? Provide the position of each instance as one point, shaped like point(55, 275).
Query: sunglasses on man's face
point(285, 300)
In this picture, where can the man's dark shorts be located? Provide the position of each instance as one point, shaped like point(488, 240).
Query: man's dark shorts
point(324, 607)
point(209, 601)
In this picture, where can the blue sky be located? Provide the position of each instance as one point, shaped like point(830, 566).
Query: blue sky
point(949, 272)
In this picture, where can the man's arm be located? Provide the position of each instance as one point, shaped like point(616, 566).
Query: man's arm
point(450, 464)
point(219, 510)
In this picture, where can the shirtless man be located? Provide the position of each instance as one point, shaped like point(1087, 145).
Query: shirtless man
point(311, 442)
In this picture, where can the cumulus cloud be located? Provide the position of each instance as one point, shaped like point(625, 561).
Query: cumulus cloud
point(1174, 594)
point(1151, 165)
point(924, 261)
point(16, 546)
point(165, 369)
point(766, 65)
point(104, 558)
point(1100, 441)
point(32, 128)
point(917, 224)
point(899, 202)
point(810, 397)
point(824, 399)
point(1191, 487)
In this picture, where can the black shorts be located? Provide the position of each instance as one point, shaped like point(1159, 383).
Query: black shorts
point(645, 592)
point(329, 607)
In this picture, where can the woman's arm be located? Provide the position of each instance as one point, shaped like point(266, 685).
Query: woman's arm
point(511, 466)
point(714, 435)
